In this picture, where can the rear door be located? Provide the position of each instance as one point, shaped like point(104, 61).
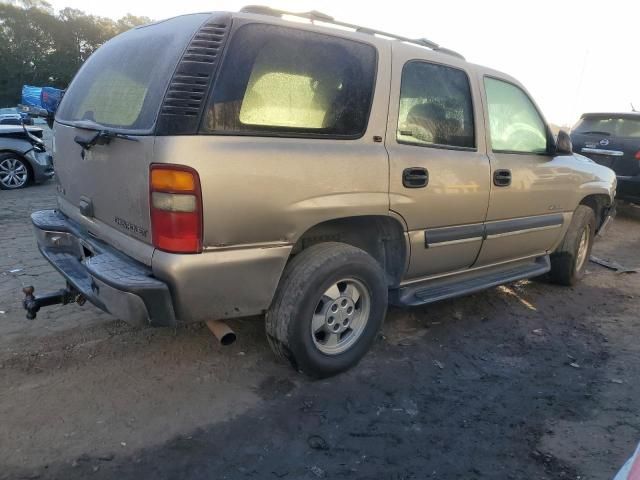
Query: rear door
point(439, 170)
point(120, 89)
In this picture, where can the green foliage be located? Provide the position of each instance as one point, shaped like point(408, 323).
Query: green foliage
point(39, 47)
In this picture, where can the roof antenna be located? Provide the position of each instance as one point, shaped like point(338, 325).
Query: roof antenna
point(633, 109)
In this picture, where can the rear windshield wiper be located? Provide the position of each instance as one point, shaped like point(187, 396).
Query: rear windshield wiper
point(596, 132)
point(102, 136)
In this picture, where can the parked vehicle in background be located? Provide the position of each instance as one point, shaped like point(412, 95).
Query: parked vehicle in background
point(13, 116)
point(612, 140)
point(222, 165)
point(41, 98)
point(631, 469)
point(23, 157)
point(41, 102)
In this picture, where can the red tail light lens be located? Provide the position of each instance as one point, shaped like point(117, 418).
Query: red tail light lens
point(176, 208)
point(638, 155)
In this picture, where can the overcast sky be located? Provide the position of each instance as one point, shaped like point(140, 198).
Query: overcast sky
point(573, 56)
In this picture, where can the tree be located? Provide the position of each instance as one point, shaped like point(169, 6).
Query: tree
point(43, 48)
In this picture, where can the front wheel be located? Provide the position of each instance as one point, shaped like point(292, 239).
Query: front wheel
point(14, 172)
point(569, 261)
point(328, 309)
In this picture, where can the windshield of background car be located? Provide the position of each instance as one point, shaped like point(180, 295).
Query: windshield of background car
point(9, 111)
point(609, 125)
point(123, 83)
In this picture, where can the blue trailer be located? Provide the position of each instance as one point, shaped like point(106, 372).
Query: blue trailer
point(42, 101)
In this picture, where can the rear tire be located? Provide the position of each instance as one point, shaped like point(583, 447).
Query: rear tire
point(14, 172)
point(328, 309)
point(569, 261)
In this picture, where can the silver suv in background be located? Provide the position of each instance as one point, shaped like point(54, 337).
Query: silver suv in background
point(221, 165)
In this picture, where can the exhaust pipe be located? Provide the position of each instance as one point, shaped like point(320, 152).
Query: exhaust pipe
point(221, 330)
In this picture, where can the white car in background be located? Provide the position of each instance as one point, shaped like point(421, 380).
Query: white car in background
point(12, 116)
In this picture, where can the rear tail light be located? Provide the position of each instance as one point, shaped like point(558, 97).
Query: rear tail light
point(176, 208)
point(638, 155)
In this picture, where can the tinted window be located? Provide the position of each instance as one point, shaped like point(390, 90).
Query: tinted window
point(282, 80)
point(514, 122)
point(123, 83)
point(609, 125)
point(435, 106)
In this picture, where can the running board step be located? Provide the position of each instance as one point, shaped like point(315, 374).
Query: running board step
point(467, 282)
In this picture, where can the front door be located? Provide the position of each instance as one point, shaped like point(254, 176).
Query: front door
point(439, 171)
point(531, 190)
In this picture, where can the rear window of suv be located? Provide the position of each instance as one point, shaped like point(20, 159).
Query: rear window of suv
point(123, 83)
point(283, 81)
point(609, 125)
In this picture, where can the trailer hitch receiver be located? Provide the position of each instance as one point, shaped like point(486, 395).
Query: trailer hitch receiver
point(32, 304)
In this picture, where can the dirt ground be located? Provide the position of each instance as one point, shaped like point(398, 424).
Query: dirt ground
point(527, 381)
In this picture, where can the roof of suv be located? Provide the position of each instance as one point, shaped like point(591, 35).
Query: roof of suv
point(612, 114)
point(315, 16)
point(321, 22)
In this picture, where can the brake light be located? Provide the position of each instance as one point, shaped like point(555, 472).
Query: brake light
point(638, 155)
point(176, 208)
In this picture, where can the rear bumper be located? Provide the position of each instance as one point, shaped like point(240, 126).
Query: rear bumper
point(629, 189)
point(108, 279)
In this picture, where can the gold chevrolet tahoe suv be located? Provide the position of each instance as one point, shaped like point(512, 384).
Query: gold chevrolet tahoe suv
point(222, 165)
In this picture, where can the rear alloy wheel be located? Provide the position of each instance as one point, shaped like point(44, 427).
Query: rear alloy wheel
point(328, 308)
point(14, 172)
point(569, 261)
point(341, 316)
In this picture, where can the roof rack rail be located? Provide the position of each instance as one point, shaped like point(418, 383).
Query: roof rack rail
point(323, 17)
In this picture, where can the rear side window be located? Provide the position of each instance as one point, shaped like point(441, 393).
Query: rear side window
point(123, 83)
point(277, 80)
point(435, 106)
point(609, 125)
point(514, 122)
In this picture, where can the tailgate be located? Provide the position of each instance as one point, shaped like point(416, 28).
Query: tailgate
point(614, 152)
point(108, 183)
point(610, 139)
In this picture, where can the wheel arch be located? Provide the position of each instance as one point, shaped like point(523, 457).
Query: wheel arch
point(382, 237)
point(599, 203)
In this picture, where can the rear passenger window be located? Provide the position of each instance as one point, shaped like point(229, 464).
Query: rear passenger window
point(435, 106)
point(277, 80)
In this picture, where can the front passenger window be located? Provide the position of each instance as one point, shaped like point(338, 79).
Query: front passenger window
point(514, 122)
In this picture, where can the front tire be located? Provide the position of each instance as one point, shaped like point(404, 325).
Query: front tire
point(14, 172)
point(569, 261)
point(328, 309)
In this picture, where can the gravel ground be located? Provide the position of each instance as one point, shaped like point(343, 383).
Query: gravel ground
point(527, 381)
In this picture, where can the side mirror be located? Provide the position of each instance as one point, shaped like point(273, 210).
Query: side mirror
point(563, 143)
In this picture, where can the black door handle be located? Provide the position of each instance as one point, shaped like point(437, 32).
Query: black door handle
point(502, 178)
point(415, 177)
